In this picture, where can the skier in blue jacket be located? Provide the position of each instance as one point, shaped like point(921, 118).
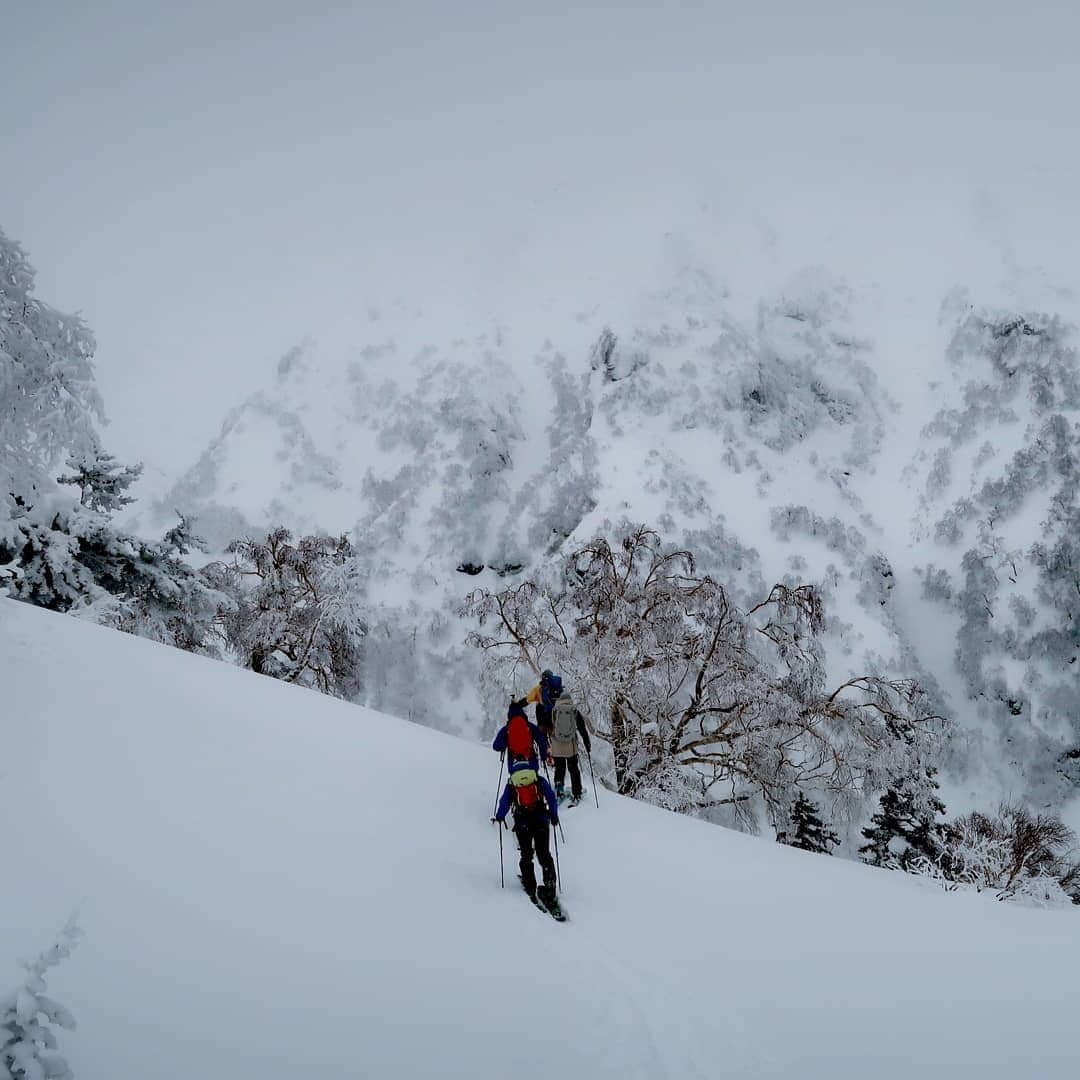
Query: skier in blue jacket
point(515, 732)
point(536, 810)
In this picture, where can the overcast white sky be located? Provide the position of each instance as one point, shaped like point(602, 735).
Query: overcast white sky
point(210, 183)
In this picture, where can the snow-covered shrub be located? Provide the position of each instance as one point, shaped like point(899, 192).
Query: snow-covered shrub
point(787, 521)
point(28, 1046)
point(295, 612)
point(1014, 853)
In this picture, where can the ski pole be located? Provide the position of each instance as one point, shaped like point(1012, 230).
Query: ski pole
point(558, 873)
point(592, 776)
point(498, 790)
point(502, 875)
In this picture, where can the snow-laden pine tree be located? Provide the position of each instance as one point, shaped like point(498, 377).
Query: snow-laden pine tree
point(60, 552)
point(28, 1046)
point(182, 538)
point(808, 831)
point(102, 481)
point(48, 398)
point(906, 828)
point(73, 560)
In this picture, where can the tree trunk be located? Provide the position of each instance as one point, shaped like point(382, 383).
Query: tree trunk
point(618, 747)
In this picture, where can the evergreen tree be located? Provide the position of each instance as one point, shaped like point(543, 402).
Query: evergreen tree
point(74, 560)
point(48, 399)
point(906, 828)
point(811, 833)
point(27, 1042)
point(181, 538)
point(101, 479)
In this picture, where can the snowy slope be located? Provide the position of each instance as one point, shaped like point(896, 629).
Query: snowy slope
point(276, 884)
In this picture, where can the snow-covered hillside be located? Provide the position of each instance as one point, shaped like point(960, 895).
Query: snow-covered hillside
point(457, 463)
point(876, 445)
point(274, 883)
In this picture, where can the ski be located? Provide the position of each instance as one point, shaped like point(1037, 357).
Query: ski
point(555, 912)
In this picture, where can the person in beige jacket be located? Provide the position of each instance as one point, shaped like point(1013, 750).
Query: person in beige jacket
point(562, 722)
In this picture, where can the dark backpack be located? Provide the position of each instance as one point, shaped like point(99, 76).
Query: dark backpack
point(527, 793)
point(550, 689)
point(519, 739)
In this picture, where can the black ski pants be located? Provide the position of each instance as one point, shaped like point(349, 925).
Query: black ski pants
point(534, 832)
point(571, 763)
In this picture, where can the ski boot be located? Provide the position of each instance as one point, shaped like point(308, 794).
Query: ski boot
point(546, 898)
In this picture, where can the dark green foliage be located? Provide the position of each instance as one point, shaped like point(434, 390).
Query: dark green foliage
point(905, 828)
point(809, 832)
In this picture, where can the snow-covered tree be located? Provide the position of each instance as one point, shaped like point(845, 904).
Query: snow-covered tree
point(182, 537)
point(296, 609)
point(608, 356)
point(102, 481)
point(1015, 853)
point(56, 552)
point(1015, 526)
point(28, 1046)
point(565, 491)
point(49, 402)
point(702, 705)
point(72, 559)
point(906, 827)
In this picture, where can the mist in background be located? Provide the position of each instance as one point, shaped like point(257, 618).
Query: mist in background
point(211, 183)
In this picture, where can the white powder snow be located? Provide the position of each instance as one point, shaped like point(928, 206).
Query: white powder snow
point(274, 884)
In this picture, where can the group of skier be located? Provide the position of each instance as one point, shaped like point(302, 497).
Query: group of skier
point(553, 739)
